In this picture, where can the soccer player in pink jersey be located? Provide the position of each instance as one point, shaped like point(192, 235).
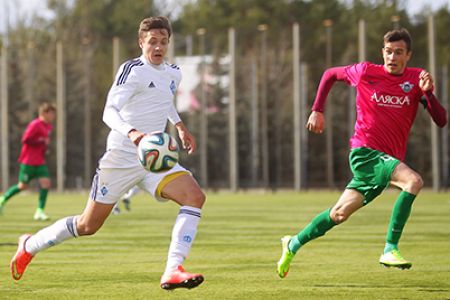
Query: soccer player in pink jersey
point(35, 141)
point(387, 100)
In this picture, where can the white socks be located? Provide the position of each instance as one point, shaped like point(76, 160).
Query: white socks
point(183, 235)
point(54, 234)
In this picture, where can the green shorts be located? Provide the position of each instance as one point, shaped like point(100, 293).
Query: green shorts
point(27, 172)
point(372, 171)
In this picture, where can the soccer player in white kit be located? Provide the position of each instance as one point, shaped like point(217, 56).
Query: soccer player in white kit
point(140, 101)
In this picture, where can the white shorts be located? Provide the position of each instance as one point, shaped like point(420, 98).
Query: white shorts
point(109, 184)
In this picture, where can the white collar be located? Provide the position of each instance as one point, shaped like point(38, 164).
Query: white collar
point(157, 67)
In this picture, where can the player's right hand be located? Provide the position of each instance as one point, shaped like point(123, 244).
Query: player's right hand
point(135, 136)
point(316, 122)
point(426, 81)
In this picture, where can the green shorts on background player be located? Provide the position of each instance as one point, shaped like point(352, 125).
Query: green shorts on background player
point(35, 141)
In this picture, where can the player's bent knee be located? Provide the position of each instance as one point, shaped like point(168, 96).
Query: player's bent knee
point(22, 186)
point(200, 198)
point(338, 217)
point(46, 186)
point(418, 182)
point(197, 198)
point(415, 184)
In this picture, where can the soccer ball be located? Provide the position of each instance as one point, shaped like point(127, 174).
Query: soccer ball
point(158, 152)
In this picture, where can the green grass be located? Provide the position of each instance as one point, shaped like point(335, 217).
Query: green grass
point(236, 249)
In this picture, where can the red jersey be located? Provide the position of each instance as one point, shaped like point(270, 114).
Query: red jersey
point(386, 105)
point(34, 143)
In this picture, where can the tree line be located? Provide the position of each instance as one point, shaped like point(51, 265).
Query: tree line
point(87, 28)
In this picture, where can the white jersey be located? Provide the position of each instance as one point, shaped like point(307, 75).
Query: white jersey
point(141, 97)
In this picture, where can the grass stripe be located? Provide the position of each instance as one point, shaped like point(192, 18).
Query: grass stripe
point(236, 249)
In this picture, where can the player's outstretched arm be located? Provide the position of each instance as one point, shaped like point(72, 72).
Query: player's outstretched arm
point(316, 121)
point(434, 108)
point(329, 77)
point(187, 139)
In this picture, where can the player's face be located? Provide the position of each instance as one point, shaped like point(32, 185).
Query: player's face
point(396, 56)
point(49, 116)
point(154, 45)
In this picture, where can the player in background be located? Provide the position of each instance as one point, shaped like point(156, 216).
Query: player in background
point(35, 141)
point(387, 100)
point(140, 101)
point(126, 200)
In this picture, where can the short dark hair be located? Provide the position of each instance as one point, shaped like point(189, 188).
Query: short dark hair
point(45, 107)
point(154, 23)
point(398, 35)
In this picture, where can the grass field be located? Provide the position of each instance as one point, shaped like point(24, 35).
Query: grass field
point(236, 249)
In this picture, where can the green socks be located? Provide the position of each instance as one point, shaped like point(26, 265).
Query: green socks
point(15, 189)
point(400, 214)
point(10, 192)
point(42, 198)
point(323, 222)
point(318, 227)
point(389, 247)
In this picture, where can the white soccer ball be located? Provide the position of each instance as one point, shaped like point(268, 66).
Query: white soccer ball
point(158, 152)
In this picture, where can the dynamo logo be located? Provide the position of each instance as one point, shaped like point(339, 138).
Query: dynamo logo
point(392, 101)
point(173, 87)
point(104, 190)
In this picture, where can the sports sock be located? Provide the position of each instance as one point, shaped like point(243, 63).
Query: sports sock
point(400, 214)
point(42, 198)
point(11, 192)
point(183, 235)
point(52, 235)
point(318, 227)
point(389, 247)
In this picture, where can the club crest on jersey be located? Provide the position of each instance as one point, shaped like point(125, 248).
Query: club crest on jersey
point(406, 86)
point(104, 190)
point(173, 87)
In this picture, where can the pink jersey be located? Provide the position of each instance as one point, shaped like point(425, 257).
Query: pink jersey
point(34, 143)
point(386, 107)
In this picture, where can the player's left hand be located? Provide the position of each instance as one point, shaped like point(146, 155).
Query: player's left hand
point(426, 81)
point(187, 139)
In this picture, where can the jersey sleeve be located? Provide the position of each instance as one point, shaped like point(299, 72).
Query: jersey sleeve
point(329, 77)
point(31, 135)
point(123, 88)
point(173, 117)
point(353, 73)
point(435, 109)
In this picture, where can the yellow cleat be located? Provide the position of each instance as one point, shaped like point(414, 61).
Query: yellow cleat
point(394, 259)
point(286, 257)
